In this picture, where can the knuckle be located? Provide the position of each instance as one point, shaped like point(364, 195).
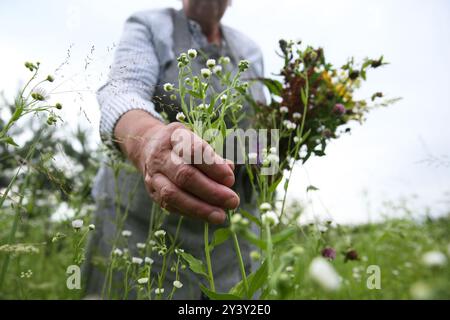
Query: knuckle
point(166, 195)
point(184, 175)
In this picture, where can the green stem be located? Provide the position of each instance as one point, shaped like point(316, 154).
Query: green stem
point(208, 258)
point(269, 253)
point(241, 262)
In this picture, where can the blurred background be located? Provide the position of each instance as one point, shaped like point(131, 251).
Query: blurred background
point(400, 155)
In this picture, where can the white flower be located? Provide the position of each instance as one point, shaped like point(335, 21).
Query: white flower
point(136, 260)
point(180, 117)
point(159, 291)
point(273, 150)
point(168, 87)
point(117, 252)
point(252, 157)
point(126, 233)
point(270, 218)
point(192, 53)
point(92, 227)
point(236, 218)
point(289, 125)
point(273, 158)
point(177, 284)
point(284, 109)
point(296, 139)
point(142, 280)
point(179, 251)
point(434, 259)
point(148, 260)
point(202, 106)
point(265, 206)
point(152, 242)
point(297, 115)
point(77, 224)
point(140, 245)
point(323, 273)
point(217, 69)
point(223, 98)
point(322, 228)
point(289, 268)
point(211, 63)
point(206, 73)
point(160, 233)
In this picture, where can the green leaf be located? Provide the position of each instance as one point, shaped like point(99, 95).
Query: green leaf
point(9, 140)
point(220, 236)
point(283, 235)
point(218, 296)
point(255, 280)
point(195, 264)
point(275, 87)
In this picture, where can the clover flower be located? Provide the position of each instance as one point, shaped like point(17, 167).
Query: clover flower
point(143, 281)
point(180, 117)
point(136, 260)
point(126, 233)
point(284, 109)
point(140, 245)
point(217, 70)
point(168, 87)
point(148, 260)
point(192, 53)
point(160, 233)
point(117, 252)
point(206, 73)
point(339, 109)
point(265, 206)
point(270, 218)
point(329, 253)
point(434, 259)
point(177, 284)
point(297, 115)
point(323, 273)
point(77, 224)
point(243, 65)
point(211, 63)
point(159, 290)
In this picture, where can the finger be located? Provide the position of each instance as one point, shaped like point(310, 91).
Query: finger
point(192, 180)
point(169, 196)
point(198, 152)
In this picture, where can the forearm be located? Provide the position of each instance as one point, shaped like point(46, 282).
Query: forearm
point(131, 132)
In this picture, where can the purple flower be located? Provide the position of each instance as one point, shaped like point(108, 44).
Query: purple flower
point(351, 255)
point(339, 109)
point(329, 253)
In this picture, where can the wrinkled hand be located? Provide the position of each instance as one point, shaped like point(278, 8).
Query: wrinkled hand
point(197, 190)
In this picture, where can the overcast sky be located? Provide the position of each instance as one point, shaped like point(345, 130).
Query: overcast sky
point(383, 160)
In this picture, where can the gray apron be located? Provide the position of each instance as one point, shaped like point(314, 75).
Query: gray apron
point(139, 205)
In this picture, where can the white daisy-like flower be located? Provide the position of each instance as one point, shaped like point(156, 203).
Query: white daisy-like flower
point(253, 156)
point(265, 206)
point(143, 280)
point(160, 233)
point(270, 218)
point(180, 117)
point(323, 273)
point(284, 109)
point(192, 53)
point(77, 224)
point(159, 290)
point(117, 252)
point(434, 259)
point(289, 125)
point(206, 73)
point(126, 233)
point(148, 260)
point(217, 70)
point(137, 260)
point(211, 63)
point(297, 115)
point(140, 245)
point(177, 284)
point(168, 87)
point(92, 227)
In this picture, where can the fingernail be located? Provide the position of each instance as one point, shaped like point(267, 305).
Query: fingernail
point(229, 181)
point(232, 203)
point(216, 217)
